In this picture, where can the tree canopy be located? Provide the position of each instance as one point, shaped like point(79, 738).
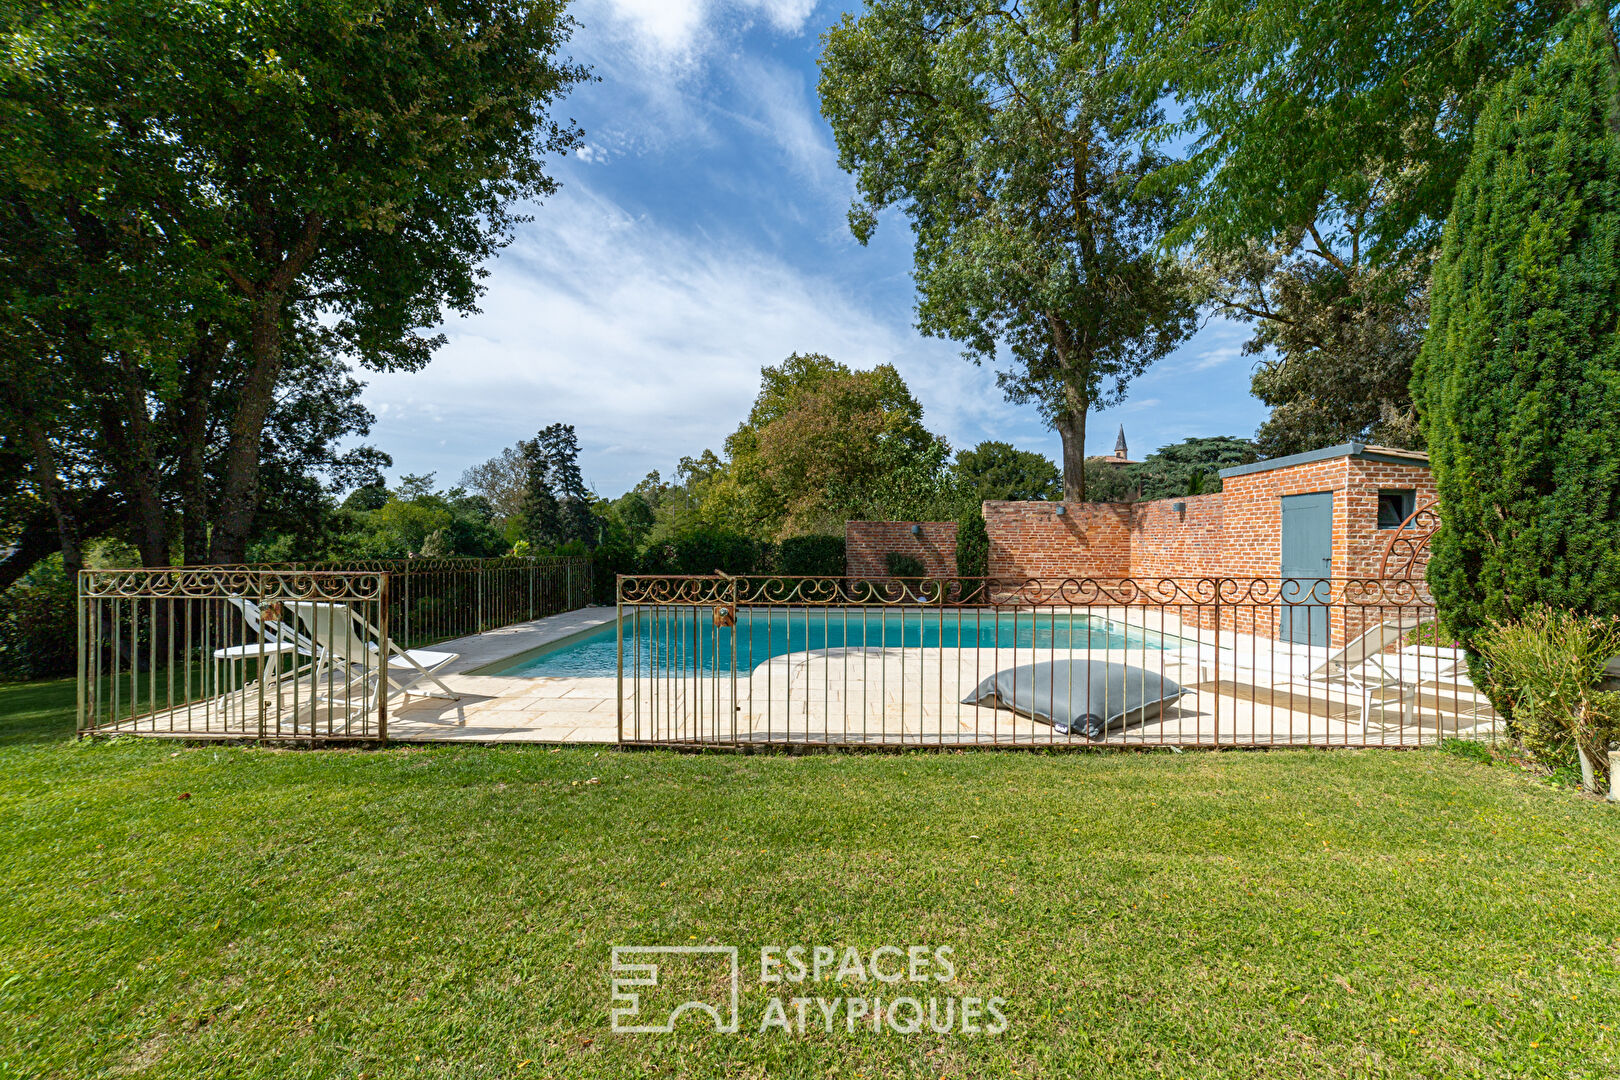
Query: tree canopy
point(1296, 110)
point(997, 470)
point(1009, 139)
point(1179, 467)
point(201, 199)
point(556, 504)
point(1335, 337)
point(1323, 143)
point(820, 441)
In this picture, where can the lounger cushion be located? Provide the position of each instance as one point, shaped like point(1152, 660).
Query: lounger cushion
point(1082, 697)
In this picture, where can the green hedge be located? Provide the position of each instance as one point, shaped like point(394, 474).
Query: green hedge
point(704, 551)
point(812, 556)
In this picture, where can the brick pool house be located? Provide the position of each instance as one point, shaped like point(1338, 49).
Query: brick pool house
point(1327, 513)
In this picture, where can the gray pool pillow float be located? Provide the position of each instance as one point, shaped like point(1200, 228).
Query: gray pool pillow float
point(1082, 697)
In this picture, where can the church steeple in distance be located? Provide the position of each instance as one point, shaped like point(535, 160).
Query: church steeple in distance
point(1119, 444)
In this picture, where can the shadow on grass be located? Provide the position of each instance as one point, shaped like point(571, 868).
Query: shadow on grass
point(37, 712)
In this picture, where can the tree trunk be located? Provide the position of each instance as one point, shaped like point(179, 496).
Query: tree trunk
point(1071, 428)
point(192, 437)
point(68, 532)
point(39, 535)
point(129, 429)
point(240, 497)
point(1069, 417)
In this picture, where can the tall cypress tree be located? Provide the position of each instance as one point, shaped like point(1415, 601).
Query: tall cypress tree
point(1518, 383)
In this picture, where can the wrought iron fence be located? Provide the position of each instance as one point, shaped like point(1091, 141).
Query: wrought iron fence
point(969, 662)
point(433, 600)
point(243, 653)
point(289, 651)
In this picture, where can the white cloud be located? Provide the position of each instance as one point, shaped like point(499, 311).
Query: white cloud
point(649, 342)
point(675, 31)
point(780, 108)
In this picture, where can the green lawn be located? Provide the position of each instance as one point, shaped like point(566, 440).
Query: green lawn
point(449, 912)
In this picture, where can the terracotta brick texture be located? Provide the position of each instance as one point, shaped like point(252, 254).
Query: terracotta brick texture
point(1234, 533)
point(1032, 540)
point(867, 545)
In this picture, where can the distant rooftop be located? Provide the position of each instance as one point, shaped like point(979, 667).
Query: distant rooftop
point(1365, 451)
point(1121, 454)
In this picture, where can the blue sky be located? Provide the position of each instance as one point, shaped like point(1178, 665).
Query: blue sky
point(700, 235)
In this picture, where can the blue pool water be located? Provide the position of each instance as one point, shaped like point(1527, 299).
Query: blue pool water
point(760, 636)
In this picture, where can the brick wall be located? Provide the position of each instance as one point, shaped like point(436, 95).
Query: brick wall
point(1234, 533)
point(1365, 542)
point(1167, 542)
point(1031, 540)
point(868, 543)
point(1251, 543)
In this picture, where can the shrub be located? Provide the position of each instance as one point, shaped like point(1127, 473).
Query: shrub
point(703, 550)
point(1546, 668)
point(812, 556)
point(37, 624)
point(1521, 361)
point(904, 566)
point(972, 545)
point(614, 554)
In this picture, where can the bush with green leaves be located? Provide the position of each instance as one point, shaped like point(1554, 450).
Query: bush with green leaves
point(705, 550)
point(815, 555)
point(972, 545)
point(1518, 382)
point(904, 566)
point(37, 624)
point(1546, 668)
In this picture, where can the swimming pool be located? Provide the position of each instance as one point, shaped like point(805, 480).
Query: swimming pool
point(696, 645)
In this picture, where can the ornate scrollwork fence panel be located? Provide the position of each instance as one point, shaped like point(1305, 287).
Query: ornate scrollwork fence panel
point(1406, 552)
point(965, 662)
point(227, 650)
point(234, 652)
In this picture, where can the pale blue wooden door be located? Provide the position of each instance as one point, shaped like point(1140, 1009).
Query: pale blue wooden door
point(1307, 559)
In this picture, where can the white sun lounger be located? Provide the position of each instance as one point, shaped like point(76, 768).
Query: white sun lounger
point(1363, 667)
point(345, 642)
point(276, 636)
point(1360, 669)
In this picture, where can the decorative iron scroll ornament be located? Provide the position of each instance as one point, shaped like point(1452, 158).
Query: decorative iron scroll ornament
point(435, 565)
point(1407, 550)
point(214, 583)
point(779, 591)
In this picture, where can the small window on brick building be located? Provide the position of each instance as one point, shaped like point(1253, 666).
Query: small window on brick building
point(1395, 505)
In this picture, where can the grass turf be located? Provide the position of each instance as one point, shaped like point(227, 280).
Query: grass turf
point(450, 911)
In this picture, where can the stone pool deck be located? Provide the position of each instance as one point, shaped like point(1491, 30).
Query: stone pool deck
point(902, 697)
point(905, 697)
point(499, 708)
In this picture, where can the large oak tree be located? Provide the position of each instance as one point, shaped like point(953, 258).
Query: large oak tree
point(199, 195)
